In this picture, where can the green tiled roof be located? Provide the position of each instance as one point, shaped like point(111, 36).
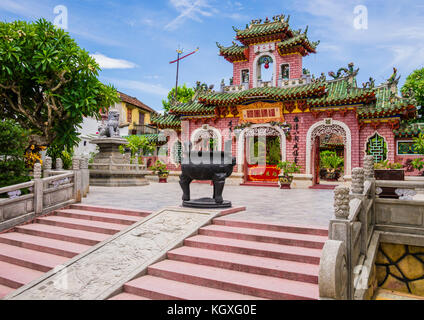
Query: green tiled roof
point(340, 93)
point(235, 51)
point(166, 121)
point(301, 39)
point(190, 108)
point(257, 30)
point(387, 104)
point(275, 93)
point(409, 130)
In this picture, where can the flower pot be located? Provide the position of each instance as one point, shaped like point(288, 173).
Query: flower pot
point(285, 181)
point(389, 174)
point(163, 177)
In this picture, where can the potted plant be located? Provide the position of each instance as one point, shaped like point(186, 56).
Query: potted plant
point(286, 175)
point(160, 169)
point(333, 165)
point(385, 170)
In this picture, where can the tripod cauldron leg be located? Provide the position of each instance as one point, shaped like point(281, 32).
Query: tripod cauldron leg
point(185, 186)
point(218, 187)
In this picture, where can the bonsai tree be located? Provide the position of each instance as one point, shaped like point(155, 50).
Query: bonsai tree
point(288, 168)
point(48, 84)
point(160, 169)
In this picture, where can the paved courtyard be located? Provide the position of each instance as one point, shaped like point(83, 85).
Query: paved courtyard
point(296, 206)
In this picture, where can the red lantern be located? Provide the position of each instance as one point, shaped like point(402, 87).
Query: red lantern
point(266, 65)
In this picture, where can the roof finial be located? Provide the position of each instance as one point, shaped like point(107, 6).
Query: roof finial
point(235, 29)
point(288, 19)
point(306, 30)
point(219, 46)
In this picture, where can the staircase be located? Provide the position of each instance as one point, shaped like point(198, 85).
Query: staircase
point(236, 260)
point(27, 251)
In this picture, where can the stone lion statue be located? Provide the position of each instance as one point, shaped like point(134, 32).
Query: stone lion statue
point(111, 128)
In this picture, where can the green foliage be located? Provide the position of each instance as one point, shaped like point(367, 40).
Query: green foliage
point(288, 167)
point(418, 164)
point(184, 94)
point(48, 83)
point(415, 83)
point(66, 159)
point(331, 161)
point(159, 168)
point(386, 165)
point(13, 142)
point(274, 151)
point(419, 143)
point(137, 144)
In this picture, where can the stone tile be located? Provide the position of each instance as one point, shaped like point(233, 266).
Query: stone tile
point(296, 206)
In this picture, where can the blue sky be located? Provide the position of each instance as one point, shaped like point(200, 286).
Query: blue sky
point(135, 40)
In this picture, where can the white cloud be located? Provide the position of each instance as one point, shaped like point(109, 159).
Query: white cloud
point(190, 9)
point(155, 89)
point(111, 63)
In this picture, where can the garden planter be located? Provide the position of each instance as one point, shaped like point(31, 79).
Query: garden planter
point(163, 178)
point(389, 174)
point(285, 181)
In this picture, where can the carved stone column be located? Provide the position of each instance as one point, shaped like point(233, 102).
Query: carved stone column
point(85, 176)
point(59, 164)
point(38, 189)
point(47, 166)
point(77, 179)
point(369, 167)
point(358, 181)
point(341, 202)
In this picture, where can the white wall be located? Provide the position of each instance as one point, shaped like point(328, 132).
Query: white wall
point(89, 127)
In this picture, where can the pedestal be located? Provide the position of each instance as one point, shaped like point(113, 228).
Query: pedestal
point(206, 203)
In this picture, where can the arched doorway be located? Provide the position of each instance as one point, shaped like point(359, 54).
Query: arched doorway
point(206, 138)
point(274, 140)
point(328, 135)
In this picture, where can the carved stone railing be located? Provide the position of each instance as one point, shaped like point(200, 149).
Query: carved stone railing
point(350, 232)
point(361, 221)
point(57, 189)
point(235, 88)
point(286, 83)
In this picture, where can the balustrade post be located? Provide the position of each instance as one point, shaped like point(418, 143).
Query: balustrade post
point(59, 164)
point(369, 167)
point(38, 189)
point(77, 179)
point(85, 173)
point(340, 229)
point(47, 166)
point(358, 181)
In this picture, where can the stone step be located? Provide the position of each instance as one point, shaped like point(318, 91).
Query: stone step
point(79, 224)
point(164, 289)
point(285, 238)
point(64, 234)
point(254, 248)
point(296, 271)
point(41, 244)
point(14, 276)
point(128, 296)
point(5, 290)
point(235, 281)
point(98, 216)
point(27, 258)
point(127, 212)
point(319, 231)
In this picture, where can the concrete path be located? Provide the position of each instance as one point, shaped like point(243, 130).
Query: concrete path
point(296, 206)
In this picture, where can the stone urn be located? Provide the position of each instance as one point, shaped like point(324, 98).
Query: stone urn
point(206, 165)
point(285, 181)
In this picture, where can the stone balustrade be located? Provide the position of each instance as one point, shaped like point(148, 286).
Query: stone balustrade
point(49, 190)
point(361, 222)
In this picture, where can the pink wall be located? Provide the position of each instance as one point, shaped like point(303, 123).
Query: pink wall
point(295, 61)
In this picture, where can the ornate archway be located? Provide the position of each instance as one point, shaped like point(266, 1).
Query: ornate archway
point(329, 126)
point(206, 133)
point(258, 129)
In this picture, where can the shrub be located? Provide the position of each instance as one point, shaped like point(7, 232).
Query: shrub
point(13, 142)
